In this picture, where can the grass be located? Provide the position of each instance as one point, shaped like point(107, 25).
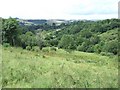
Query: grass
point(0, 67)
point(28, 69)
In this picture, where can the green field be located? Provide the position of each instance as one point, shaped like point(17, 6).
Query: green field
point(51, 69)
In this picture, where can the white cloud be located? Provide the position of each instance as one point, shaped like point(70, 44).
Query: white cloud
point(61, 9)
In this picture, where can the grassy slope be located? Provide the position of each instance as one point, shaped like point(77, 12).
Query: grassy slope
point(0, 67)
point(23, 68)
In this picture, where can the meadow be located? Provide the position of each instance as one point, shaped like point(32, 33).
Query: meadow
point(57, 69)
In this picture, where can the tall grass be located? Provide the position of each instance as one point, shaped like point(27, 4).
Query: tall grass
point(22, 69)
point(0, 67)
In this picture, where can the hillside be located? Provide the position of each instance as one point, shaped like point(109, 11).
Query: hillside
point(79, 54)
point(50, 69)
point(87, 36)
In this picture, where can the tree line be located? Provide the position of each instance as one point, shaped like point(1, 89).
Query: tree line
point(87, 36)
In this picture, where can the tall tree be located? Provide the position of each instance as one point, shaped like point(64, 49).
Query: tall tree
point(9, 29)
point(67, 42)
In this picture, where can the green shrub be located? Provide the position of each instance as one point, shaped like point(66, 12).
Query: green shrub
point(79, 48)
point(109, 54)
point(53, 49)
point(98, 48)
point(35, 48)
point(111, 47)
point(43, 56)
point(103, 53)
point(106, 54)
point(6, 44)
point(90, 49)
point(68, 50)
point(45, 49)
point(28, 48)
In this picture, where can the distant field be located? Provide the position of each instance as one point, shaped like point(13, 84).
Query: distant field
point(51, 69)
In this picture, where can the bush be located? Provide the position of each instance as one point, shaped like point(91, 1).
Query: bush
point(98, 48)
point(80, 48)
point(68, 50)
point(90, 49)
point(107, 54)
point(111, 47)
point(6, 44)
point(53, 49)
point(103, 53)
point(35, 48)
point(28, 48)
point(110, 54)
point(43, 56)
point(45, 49)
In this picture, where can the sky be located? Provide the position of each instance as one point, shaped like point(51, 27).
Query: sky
point(59, 9)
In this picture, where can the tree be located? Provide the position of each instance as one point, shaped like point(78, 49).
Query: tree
point(54, 25)
point(111, 46)
point(83, 47)
point(86, 33)
point(94, 39)
point(90, 49)
point(79, 40)
point(67, 42)
point(97, 48)
point(28, 39)
point(10, 30)
point(40, 40)
point(75, 29)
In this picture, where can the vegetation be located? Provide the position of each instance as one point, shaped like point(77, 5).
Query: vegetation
point(10, 31)
point(86, 36)
point(78, 54)
point(57, 69)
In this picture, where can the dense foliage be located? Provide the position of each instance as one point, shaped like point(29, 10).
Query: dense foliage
point(87, 36)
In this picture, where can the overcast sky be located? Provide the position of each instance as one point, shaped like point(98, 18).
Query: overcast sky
point(59, 9)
